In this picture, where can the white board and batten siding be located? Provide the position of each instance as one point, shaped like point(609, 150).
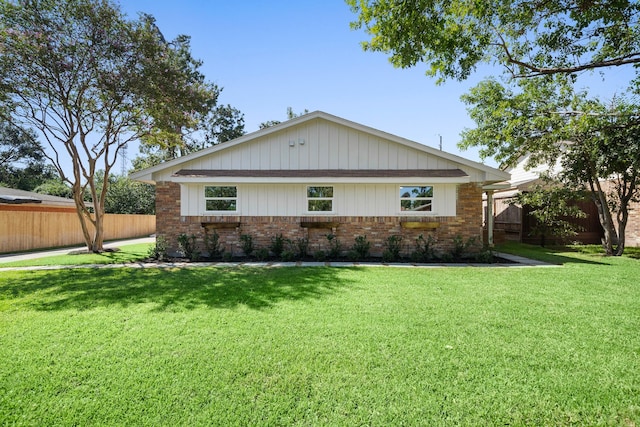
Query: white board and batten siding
point(318, 144)
point(291, 200)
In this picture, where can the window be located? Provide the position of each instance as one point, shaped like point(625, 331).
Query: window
point(320, 199)
point(416, 199)
point(220, 198)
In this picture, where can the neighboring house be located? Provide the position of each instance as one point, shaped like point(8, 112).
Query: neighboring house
point(21, 200)
point(514, 223)
point(319, 174)
point(33, 221)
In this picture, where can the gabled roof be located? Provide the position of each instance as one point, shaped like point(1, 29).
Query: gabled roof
point(13, 196)
point(492, 174)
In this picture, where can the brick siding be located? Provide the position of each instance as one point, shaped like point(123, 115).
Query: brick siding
point(467, 223)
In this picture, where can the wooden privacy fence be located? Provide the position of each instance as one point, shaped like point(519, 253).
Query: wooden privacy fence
point(25, 230)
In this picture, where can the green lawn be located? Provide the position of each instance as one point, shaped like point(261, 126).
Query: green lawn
point(324, 346)
point(124, 254)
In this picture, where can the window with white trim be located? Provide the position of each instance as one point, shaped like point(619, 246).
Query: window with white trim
point(221, 198)
point(416, 198)
point(320, 199)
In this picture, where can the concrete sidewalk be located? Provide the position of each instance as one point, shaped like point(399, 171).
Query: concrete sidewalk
point(65, 251)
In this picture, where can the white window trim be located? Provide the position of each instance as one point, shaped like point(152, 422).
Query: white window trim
point(218, 212)
point(399, 200)
point(307, 199)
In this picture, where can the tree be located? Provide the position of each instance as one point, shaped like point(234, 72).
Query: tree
point(126, 196)
point(595, 141)
point(22, 163)
point(527, 37)
point(89, 81)
point(55, 187)
point(290, 115)
point(223, 123)
point(551, 204)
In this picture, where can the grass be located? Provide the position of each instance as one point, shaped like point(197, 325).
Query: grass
point(125, 254)
point(323, 346)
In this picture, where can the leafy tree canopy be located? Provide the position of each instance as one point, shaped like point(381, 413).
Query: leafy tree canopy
point(527, 37)
point(546, 119)
point(89, 80)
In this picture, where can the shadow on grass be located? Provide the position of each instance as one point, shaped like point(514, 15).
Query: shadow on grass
point(170, 290)
point(556, 255)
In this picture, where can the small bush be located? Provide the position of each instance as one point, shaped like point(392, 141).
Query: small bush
point(246, 242)
point(302, 247)
point(288, 256)
point(486, 256)
point(227, 256)
point(277, 245)
point(461, 247)
point(213, 246)
point(159, 250)
point(361, 247)
point(187, 245)
point(320, 255)
point(262, 254)
point(424, 249)
point(335, 247)
point(392, 251)
point(353, 255)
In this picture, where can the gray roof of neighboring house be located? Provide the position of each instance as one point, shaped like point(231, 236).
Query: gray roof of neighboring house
point(13, 196)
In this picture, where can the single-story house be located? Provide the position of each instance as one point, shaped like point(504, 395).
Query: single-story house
point(319, 174)
point(12, 199)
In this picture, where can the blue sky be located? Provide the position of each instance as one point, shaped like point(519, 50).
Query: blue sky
point(270, 55)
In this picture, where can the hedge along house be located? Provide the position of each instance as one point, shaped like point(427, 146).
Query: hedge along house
point(315, 175)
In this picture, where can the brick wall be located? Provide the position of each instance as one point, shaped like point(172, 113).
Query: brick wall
point(468, 223)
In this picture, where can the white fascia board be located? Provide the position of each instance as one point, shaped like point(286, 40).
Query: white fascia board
point(321, 180)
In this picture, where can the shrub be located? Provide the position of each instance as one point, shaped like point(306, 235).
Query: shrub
point(361, 247)
point(159, 250)
point(320, 255)
point(424, 249)
point(288, 255)
point(353, 255)
point(187, 245)
point(335, 247)
point(213, 246)
point(227, 256)
point(461, 248)
point(302, 247)
point(262, 254)
point(277, 245)
point(246, 242)
point(392, 249)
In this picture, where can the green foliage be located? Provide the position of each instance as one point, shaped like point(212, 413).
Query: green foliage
point(22, 163)
point(335, 247)
point(453, 37)
point(551, 205)
point(361, 247)
point(246, 242)
point(90, 80)
point(54, 187)
point(277, 244)
point(125, 196)
point(462, 247)
point(392, 249)
point(546, 120)
point(288, 255)
point(320, 255)
point(213, 245)
point(158, 251)
point(188, 246)
point(262, 254)
point(301, 247)
point(424, 251)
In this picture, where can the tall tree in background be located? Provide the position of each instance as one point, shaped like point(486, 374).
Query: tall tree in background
point(22, 164)
point(527, 37)
point(290, 115)
point(222, 123)
point(595, 141)
point(89, 81)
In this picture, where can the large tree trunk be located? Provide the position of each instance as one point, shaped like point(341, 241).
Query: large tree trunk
point(604, 214)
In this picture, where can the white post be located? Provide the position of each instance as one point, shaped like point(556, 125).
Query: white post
point(490, 217)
